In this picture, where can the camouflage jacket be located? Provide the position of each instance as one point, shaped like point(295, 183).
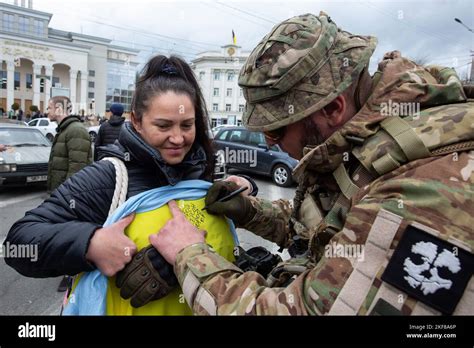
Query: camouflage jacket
point(425, 187)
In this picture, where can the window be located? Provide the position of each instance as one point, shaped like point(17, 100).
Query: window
point(241, 107)
point(91, 84)
point(8, 22)
point(227, 107)
point(92, 73)
point(3, 79)
point(90, 95)
point(216, 92)
point(201, 75)
point(23, 24)
point(217, 75)
point(215, 107)
point(55, 81)
point(238, 136)
point(223, 135)
point(213, 122)
point(256, 138)
point(42, 85)
point(33, 123)
point(230, 76)
point(229, 92)
point(29, 81)
point(17, 80)
point(231, 119)
point(43, 123)
point(39, 27)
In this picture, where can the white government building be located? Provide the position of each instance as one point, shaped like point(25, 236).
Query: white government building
point(218, 73)
point(38, 62)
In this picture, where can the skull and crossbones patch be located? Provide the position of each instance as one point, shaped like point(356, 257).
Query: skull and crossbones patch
point(431, 270)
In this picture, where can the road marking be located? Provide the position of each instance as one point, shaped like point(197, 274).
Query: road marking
point(20, 199)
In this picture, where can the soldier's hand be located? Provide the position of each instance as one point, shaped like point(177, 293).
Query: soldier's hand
point(242, 182)
point(110, 249)
point(177, 234)
point(239, 208)
point(147, 278)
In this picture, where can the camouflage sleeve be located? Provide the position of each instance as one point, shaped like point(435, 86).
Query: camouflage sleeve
point(438, 193)
point(214, 286)
point(271, 220)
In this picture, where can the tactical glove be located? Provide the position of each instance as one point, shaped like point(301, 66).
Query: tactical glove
point(146, 278)
point(239, 208)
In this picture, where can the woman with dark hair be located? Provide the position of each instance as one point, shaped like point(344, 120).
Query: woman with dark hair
point(165, 142)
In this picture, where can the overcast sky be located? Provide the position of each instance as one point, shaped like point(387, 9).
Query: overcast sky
point(419, 29)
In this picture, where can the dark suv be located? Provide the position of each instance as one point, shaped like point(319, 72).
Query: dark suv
point(247, 151)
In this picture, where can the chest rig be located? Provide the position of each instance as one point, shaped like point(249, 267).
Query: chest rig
point(330, 175)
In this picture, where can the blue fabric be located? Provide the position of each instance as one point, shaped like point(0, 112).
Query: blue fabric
point(89, 296)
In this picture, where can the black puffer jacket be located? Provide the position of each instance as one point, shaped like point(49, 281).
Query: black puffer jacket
point(63, 225)
point(108, 133)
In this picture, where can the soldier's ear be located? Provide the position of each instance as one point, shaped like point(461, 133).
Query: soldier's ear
point(335, 112)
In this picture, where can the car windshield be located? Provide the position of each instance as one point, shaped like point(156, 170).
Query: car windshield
point(22, 137)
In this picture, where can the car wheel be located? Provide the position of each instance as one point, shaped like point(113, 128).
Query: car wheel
point(50, 137)
point(92, 135)
point(281, 175)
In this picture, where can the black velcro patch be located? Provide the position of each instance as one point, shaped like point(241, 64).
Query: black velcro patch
point(429, 269)
point(384, 308)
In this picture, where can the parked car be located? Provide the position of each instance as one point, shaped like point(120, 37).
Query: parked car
point(93, 131)
point(216, 129)
point(47, 127)
point(247, 151)
point(26, 159)
point(10, 121)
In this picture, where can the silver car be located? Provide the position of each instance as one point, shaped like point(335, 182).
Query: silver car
point(26, 159)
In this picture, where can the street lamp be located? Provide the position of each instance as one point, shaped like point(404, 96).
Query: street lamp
point(464, 25)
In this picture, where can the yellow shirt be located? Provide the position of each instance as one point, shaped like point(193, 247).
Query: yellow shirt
point(219, 236)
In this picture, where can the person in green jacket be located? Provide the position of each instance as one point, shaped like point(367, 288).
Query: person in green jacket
point(71, 150)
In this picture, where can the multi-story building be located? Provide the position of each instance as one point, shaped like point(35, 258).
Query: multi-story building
point(38, 62)
point(217, 73)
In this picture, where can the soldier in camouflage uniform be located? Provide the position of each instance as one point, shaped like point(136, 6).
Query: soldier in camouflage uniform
point(386, 168)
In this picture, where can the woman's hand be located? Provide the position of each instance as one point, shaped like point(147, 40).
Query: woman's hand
point(175, 235)
point(110, 249)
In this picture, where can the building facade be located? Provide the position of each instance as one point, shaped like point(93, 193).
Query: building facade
point(38, 62)
point(217, 73)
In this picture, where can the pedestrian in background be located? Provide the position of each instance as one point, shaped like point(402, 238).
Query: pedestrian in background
point(71, 150)
point(109, 130)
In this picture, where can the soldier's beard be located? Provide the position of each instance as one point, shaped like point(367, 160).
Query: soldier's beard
point(312, 135)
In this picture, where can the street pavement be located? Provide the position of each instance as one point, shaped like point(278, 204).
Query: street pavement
point(21, 295)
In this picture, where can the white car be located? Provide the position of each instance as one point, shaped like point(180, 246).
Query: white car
point(47, 127)
point(93, 131)
point(26, 159)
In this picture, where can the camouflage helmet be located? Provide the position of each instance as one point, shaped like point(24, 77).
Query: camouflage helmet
point(298, 68)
